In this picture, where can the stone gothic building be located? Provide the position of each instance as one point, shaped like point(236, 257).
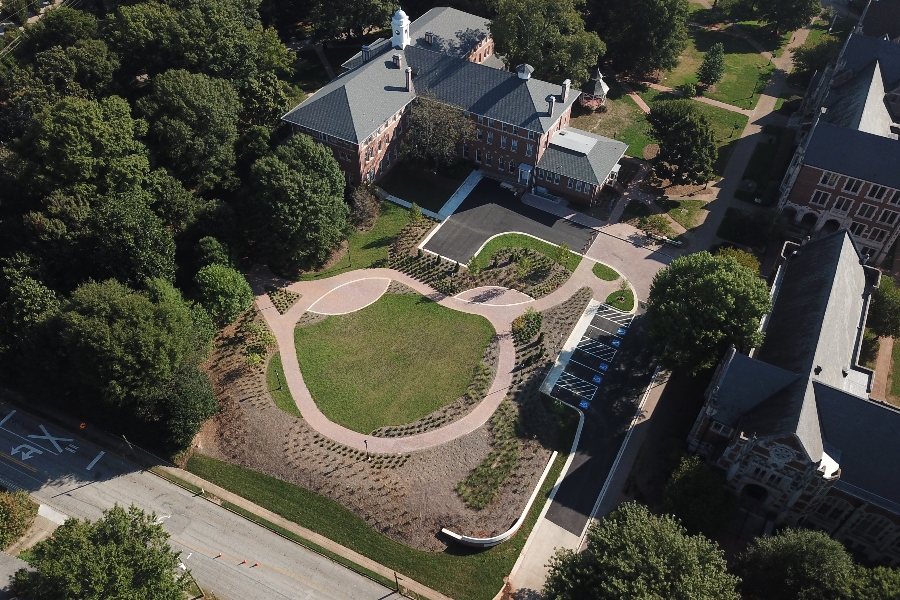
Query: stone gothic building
point(792, 424)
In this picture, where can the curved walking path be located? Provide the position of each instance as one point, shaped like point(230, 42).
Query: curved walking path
point(362, 287)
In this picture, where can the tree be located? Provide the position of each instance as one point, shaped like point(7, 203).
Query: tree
point(17, 513)
point(687, 146)
point(125, 554)
point(796, 564)
point(364, 207)
point(656, 224)
point(884, 312)
point(27, 307)
point(641, 35)
point(635, 554)
point(210, 251)
point(349, 18)
point(748, 259)
point(223, 292)
point(700, 305)
point(879, 583)
point(295, 208)
point(815, 54)
point(713, 66)
point(547, 34)
point(696, 494)
point(194, 123)
point(436, 132)
point(787, 15)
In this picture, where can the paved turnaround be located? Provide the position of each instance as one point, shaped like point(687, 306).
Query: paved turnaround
point(80, 480)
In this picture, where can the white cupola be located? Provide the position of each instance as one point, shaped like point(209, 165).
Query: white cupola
point(400, 29)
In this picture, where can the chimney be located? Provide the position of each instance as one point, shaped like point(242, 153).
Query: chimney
point(565, 89)
point(398, 60)
point(365, 53)
point(524, 71)
point(429, 37)
point(409, 83)
point(551, 100)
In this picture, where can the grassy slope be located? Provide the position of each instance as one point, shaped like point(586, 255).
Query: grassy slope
point(369, 249)
point(517, 240)
point(623, 120)
point(392, 362)
point(460, 573)
point(686, 212)
point(278, 388)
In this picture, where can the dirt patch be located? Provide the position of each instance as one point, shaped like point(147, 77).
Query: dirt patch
point(650, 151)
point(407, 497)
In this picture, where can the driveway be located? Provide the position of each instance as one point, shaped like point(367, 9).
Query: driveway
point(489, 210)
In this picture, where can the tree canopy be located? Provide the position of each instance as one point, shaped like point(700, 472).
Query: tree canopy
point(223, 291)
point(713, 66)
point(787, 15)
point(884, 310)
point(125, 554)
point(295, 205)
point(687, 146)
point(696, 494)
point(437, 131)
point(700, 305)
point(641, 35)
point(636, 554)
point(349, 18)
point(547, 34)
point(815, 54)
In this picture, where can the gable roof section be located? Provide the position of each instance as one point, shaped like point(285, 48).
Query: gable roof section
point(589, 158)
point(865, 431)
point(812, 331)
point(862, 50)
point(882, 18)
point(855, 153)
point(455, 32)
point(745, 383)
point(859, 103)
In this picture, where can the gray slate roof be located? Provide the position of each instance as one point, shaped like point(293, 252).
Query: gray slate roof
point(866, 433)
point(595, 86)
point(862, 50)
point(593, 167)
point(455, 32)
point(376, 90)
point(855, 153)
point(859, 103)
point(812, 332)
point(882, 18)
point(745, 383)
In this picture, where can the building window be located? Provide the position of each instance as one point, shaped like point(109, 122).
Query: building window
point(465, 151)
point(571, 183)
point(478, 155)
point(833, 508)
point(539, 173)
point(512, 166)
point(828, 178)
point(479, 134)
point(400, 127)
point(503, 126)
point(873, 527)
point(876, 191)
point(877, 235)
point(843, 204)
point(852, 185)
point(480, 119)
point(577, 186)
point(888, 217)
point(530, 135)
point(487, 158)
point(720, 429)
point(857, 229)
point(379, 145)
point(387, 158)
point(819, 197)
point(556, 178)
point(396, 152)
point(500, 162)
point(894, 198)
point(587, 188)
point(529, 150)
point(381, 166)
point(866, 211)
point(503, 142)
point(514, 146)
point(515, 130)
point(490, 137)
point(490, 122)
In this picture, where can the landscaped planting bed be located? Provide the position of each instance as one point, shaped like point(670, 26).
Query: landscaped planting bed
point(282, 298)
point(392, 362)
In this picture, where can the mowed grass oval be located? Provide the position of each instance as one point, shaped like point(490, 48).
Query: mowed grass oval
point(391, 363)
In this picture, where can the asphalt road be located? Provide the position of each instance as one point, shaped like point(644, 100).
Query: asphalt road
point(489, 210)
point(606, 421)
point(78, 479)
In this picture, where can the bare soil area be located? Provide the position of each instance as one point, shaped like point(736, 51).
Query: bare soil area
point(407, 497)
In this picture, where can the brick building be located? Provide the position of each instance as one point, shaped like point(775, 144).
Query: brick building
point(521, 123)
point(845, 172)
point(792, 424)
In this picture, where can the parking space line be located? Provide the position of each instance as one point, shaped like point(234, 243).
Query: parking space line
point(612, 333)
point(592, 369)
point(576, 388)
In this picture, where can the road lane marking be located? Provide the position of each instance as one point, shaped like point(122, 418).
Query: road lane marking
point(6, 418)
point(53, 440)
point(18, 462)
point(29, 441)
point(94, 462)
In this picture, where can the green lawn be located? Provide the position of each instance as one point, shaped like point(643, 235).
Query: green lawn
point(390, 363)
point(627, 299)
point(461, 573)
point(604, 272)
point(841, 28)
point(517, 240)
point(415, 185)
point(746, 71)
point(623, 121)
point(893, 392)
point(369, 249)
point(766, 36)
point(278, 388)
point(686, 212)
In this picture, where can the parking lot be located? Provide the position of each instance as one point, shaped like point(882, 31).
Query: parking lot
point(489, 210)
point(606, 376)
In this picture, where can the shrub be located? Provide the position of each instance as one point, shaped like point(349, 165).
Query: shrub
point(526, 326)
point(656, 224)
point(223, 292)
point(688, 90)
point(17, 513)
